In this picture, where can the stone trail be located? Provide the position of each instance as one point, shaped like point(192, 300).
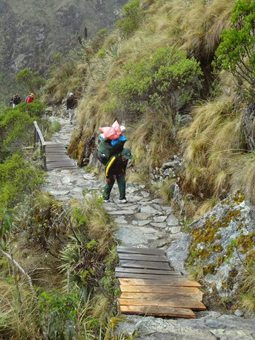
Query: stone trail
point(146, 222)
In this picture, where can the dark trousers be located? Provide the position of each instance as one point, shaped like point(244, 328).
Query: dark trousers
point(121, 185)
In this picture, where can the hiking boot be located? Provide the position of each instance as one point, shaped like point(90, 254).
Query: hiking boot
point(122, 201)
point(106, 201)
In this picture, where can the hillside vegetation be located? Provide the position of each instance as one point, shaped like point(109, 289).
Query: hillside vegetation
point(56, 262)
point(36, 33)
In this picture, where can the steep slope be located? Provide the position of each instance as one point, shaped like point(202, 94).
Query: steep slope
point(33, 31)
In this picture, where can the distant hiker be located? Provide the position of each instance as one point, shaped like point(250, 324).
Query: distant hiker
point(112, 154)
point(15, 100)
point(71, 104)
point(30, 98)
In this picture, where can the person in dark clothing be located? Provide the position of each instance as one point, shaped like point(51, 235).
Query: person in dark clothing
point(15, 100)
point(71, 104)
point(116, 170)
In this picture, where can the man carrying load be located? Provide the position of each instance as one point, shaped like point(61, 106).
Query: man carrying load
point(115, 157)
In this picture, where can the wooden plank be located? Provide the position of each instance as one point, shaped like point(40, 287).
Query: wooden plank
point(145, 251)
point(171, 281)
point(52, 166)
point(176, 302)
point(161, 289)
point(146, 271)
point(55, 157)
point(62, 160)
point(139, 257)
point(155, 277)
point(159, 311)
point(56, 150)
point(144, 264)
point(55, 147)
point(165, 294)
point(52, 144)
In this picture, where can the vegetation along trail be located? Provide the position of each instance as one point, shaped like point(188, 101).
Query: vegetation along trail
point(147, 222)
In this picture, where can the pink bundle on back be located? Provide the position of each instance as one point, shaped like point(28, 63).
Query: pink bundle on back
point(111, 132)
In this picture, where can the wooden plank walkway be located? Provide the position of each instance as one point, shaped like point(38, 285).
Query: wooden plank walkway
point(54, 155)
point(57, 157)
point(150, 287)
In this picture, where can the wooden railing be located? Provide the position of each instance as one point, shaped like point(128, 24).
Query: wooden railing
point(38, 138)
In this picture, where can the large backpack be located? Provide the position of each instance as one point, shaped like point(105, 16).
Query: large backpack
point(105, 151)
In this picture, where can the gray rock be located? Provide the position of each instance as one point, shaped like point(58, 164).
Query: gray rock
point(143, 223)
point(120, 220)
point(159, 219)
point(175, 230)
point(121, 212)
point(149, 210)
point(142, 216)
point(172, 220)
point(177, 253)
point(159, 225)
point(239, 313)
point(132, 236)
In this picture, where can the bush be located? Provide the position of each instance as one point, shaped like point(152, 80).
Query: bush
point(30, 79)
point(17, 178)
point(16, 126)
point(167, 79)
point(236, 50)
point(132, 16)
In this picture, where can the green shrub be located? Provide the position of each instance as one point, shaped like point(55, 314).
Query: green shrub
point(30, 80)
point(132, 16)
point(59, 314)
point(167, 79)
point(17, 178)
point(16, 126)
point(236, 51)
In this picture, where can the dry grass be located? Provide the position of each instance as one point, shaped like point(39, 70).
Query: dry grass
point(151, 139)
point(100, 227)
point(212, 141)
point(18, 317)
point(248, 289)
point(193, 26)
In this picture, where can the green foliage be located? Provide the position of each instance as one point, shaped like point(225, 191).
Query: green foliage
point(54, 126)
point(59, 313)
point(16, 126)
point(167, 79)
point(30, 79)
point(236, 51)
point(132, 17)
point(17, 178)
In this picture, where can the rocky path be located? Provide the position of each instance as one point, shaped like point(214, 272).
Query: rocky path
point(147, 222)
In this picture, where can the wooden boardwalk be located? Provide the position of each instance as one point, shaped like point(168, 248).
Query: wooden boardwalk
point(54, 155)
point(150, 287)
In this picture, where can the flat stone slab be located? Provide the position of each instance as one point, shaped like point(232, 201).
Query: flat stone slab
point(121, 212)
point(142, 216)
point(172, 220)
point(159, 219)
point(149, 210)
point(134, 236)
point(159, 225)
